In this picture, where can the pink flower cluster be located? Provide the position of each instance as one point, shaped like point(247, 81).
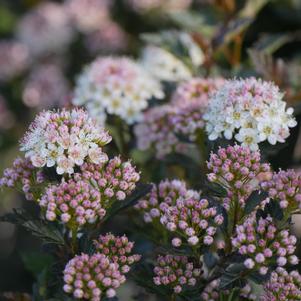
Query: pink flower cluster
point(114, 179)
point(23, 175)
point(118, 249)
point(282, 286)
point(96, 13)
point(156, 132)
point(107, 40)
point(196, 92)
point(163, 195)
point(46, 87)
point(92, 277)
point(45, 29)
point(263, 244)
point(212, 292)
point(193, 220)
point(176, 272)
point(74, 202)
point(14, 59)
point(236, 168)
point(162, 125)
point(65, 139)
point(285, 186)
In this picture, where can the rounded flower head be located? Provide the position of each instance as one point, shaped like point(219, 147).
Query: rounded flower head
point(115, 179)
point(212, 292)
point(192, 220)
point(75, 203)
point(46, 87)
point(92, 277)
point(45, 29)
point(14, 59)
point(156, 131)
point(88, 15)
point(162, 196)
point(23, 175)
point(175, 272)
point(251, 110)
point(163, 65)
point(116, 86)
point(283, 286)
point(263, 244)
point(236, 168)
point(118, 249)
point(107, 40)
point(285, 186)
point(196, 92)
point(65, 139)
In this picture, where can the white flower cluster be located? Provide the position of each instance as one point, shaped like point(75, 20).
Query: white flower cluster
point(117, 86)
point(45, 29)
point(163, 65)
point(251, 110)
point(65, 139)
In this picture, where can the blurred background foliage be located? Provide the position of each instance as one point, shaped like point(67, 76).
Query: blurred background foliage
point(238, 38)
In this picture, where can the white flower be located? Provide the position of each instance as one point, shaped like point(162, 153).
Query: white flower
point(163, 65)
point(97, 156)
point(77, 154)
point(116, 86)
point(64, 165)
point(248, 137)
point(251, 110)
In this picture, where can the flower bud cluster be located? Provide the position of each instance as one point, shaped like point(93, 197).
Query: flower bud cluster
point(92, 277)
point(163, 195)
point(114, 179)
point(236, 168)
point(285, 186)
point(65, 139)
point(212, 292)
point(75, 203)
point(118, 249)
point(176, 272)
point(263, 244)
point(282, 286)
point(193, 220)
point(22, 175)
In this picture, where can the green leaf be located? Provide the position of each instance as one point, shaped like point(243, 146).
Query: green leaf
point(48, 232)
point(273, 208)
point(232, 274)
point(140, 191)
point(216, 189)
point(254, 200)
point(36, 262)
point(233, 29)
point(269, 43)
point(258, 278)
point(192, 21)
point(252, 7)
point(39, 292)
point(209, 259)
